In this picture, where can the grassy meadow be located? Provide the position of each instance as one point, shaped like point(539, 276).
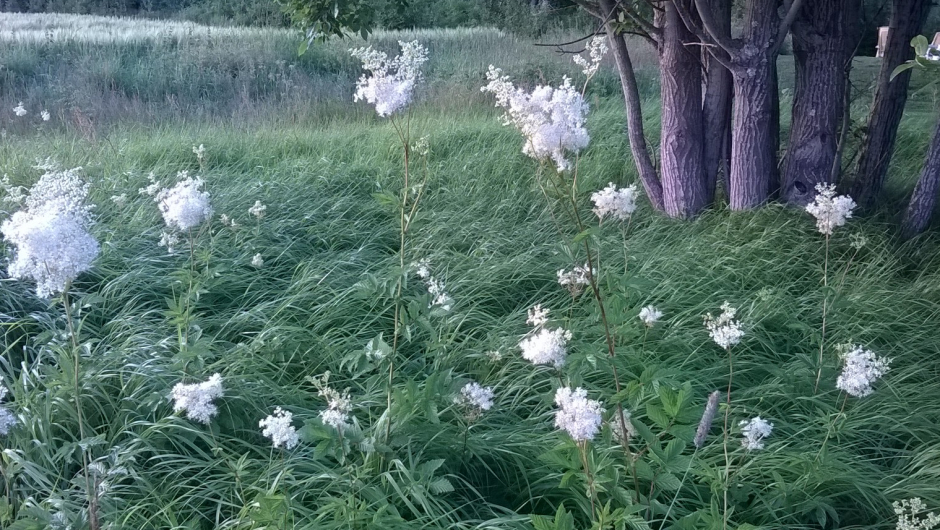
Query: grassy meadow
point(130, 99)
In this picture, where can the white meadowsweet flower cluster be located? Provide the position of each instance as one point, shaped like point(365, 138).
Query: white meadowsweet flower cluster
point(576, 279)
point(153, 188)
point(53, 245)
point(200, 152)
point(258, 210)
point(45, 115)
point(550, 119)
point(7, 419)
point(862, 368)
point(257, 261)
point(596, 49)
point(829, 209)
point(548, 346)
point(475, 396)
point(577, 415)
point(909, 515)
point(169, 240)
point(649, 315)
point(278, 428)
point(619, 204)
point(391, 84)
point(184, 206)
point(339, 404)
point(196, 399)
point(20, 110)
point(436, 288)
point(119, 200)
point(725, 330)
point(537, 316)
point(755, 431)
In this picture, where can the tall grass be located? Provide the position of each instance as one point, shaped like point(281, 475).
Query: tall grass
point(485, 227)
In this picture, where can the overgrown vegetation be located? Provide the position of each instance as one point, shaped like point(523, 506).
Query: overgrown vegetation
point(330, 251)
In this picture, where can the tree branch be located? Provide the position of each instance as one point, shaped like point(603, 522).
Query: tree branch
point(651, 30)
point(724, 41)
point(706, 42)
point(592, 9)
point(794, 10)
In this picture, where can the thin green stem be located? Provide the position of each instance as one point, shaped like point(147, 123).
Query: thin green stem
point(822, 340)
point(76, 356)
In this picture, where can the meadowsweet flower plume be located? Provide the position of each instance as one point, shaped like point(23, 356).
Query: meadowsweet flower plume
point(391, 85)
point(861, 369)
point(596, 49)
point(550, 119)
point(257, 261)
point(649, 315)
point(547, 346)
point(20, 110)
point(184, 206)
point(339, 404)
point(705, 424)
point(576, 279)
point(537, 317)
point(475, 397)
point(258, 210)
point(45, 115)
point(577, 415)
point(278, 428)
point(911, 515)
point(755, 431)
point(830, 210)
point(53, 244)
point(724, 329)
point(169, 240)
point(7, 419)
point(435, 287)
point(196, 399)
point(619, 204)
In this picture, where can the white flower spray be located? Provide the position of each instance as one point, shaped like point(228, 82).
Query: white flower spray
point(861, 369)
point(278, 427)
point(390, 87)
point(754, 432)
point(617, 203)
point(7, 418)
point(53, 244)
point(184, 206)
point(581, 418)
point(550, 119)
point(196, 399)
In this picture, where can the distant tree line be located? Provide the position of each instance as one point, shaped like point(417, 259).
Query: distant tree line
point(527, 17)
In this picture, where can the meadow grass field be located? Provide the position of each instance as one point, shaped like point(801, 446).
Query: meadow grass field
point(283, 130)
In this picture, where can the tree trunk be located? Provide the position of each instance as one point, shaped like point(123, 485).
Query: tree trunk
point(924, 200)
point(716, 105)
point(753, 150)
point(907, 18)
point(819, 57)
point(631, 97)
point(753, 155)
point(682, 139)
point(853, 39)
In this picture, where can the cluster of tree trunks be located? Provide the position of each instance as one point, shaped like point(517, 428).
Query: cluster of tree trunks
point(720, 107)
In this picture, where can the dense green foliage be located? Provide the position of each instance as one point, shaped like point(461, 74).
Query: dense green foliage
point(329, 248)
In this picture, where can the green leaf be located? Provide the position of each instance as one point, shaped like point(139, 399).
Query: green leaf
point(657, 415)
point(920, 44)
point(902, 68)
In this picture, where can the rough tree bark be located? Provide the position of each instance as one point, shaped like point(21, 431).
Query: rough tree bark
point(753, 63)
point(819, 52)
point(716, 105)
point(907, 19)
point(631, 97)
point(924, 200)
point(682, 145)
